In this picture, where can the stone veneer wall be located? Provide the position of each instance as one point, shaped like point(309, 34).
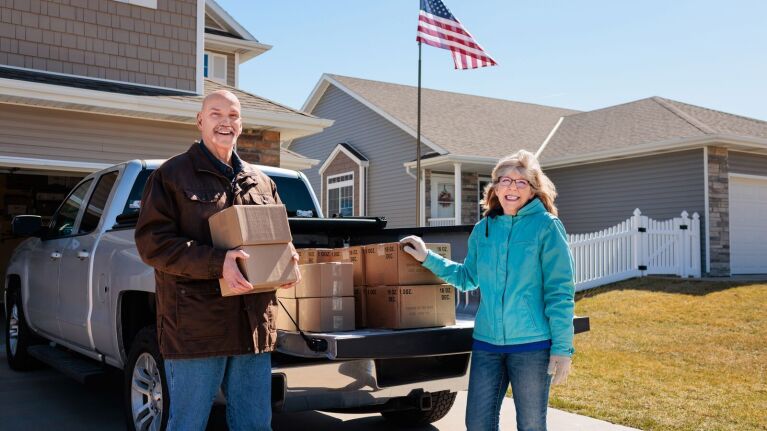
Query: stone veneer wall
point(260, 147)
point(469, 198)
point(719, 211)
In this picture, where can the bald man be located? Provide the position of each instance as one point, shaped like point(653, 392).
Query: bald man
point(207, 341)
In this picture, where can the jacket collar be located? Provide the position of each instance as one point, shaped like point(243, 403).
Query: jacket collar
point(202, 163)
point(533, 206)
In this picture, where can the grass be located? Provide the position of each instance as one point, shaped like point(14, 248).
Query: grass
point(666, 354)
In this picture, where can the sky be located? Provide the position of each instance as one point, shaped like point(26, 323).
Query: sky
point(577, 54)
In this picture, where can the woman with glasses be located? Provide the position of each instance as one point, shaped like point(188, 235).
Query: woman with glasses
point(518, 256)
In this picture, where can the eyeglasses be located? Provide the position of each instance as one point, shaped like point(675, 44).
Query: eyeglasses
point(507, 182)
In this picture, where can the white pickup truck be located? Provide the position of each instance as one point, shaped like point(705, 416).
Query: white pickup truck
point(79, 298)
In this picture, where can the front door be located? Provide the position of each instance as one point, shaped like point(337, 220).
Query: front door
point(442, 199)
point(45, 263)
point(75, 300)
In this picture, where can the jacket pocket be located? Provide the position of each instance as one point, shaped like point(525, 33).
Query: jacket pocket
point(201, 311)
point(203, 196)
point(533, 324)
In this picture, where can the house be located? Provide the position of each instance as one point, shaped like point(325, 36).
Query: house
point(663, 157)
point(88, 83)
point(656, 154)
point(364, 157)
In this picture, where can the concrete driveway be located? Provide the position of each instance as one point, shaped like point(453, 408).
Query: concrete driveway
point(47, 400)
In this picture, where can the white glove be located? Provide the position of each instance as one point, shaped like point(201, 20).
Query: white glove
point(559, 368)
point(415, 247)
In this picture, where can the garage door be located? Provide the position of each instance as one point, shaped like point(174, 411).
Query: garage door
point(748, 225)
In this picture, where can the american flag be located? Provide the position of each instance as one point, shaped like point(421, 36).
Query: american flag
point(438, 27)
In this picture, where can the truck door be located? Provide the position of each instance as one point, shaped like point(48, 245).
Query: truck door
point(45, 262)
point(75, 294)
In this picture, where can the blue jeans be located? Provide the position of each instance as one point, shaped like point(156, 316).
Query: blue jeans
point(194, 383)
point(490, 376)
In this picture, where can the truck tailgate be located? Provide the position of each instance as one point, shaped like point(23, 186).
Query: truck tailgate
point(388, 343)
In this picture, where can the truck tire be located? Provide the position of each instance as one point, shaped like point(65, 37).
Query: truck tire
point(18, 335)
point(441, 403)
point(145, 396)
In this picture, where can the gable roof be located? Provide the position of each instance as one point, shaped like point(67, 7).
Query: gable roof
point(452, 123)
point(223, 32)
point(646, 125)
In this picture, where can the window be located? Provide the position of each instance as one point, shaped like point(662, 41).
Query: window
point(133, 205)
point(214, 67)
point(295, 195)
point(341, 195)
point(97, 203)
point(64, 220)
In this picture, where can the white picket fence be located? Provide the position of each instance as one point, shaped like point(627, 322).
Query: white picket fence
point(636, 247)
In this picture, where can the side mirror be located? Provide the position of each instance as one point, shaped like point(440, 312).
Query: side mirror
point(27, 225)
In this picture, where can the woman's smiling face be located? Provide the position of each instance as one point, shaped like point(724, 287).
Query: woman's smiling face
point(513, 191)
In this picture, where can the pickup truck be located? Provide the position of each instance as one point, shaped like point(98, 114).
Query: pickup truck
point(79, 298)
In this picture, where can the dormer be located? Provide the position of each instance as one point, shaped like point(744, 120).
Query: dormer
point(227, 45)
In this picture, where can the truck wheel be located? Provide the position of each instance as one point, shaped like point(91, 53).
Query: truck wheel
point(441, 403)
point(146, 400)
point(18, 336)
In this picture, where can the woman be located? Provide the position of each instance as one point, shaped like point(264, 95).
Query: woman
point(519, 258)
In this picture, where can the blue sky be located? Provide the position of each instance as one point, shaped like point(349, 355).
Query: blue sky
point(579, 54)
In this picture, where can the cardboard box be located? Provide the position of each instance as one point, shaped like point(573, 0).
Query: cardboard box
point(268, 267)
point(249, 225)
point(317, 314)
point(354, 255)
point(322, 280)
point(387, 264)
point(360, 307)
point(314, 255)
point(401, 307)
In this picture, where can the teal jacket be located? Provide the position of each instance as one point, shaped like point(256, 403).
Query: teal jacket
point(524, 270)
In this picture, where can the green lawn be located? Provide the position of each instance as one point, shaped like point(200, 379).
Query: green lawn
point(671, 355)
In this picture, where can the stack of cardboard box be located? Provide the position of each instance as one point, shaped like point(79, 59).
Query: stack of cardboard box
point(263, 232)
point(323, 301)
point(401, 293)
point(355, 256)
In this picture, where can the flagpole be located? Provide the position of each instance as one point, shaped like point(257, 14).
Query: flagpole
point(418, 208)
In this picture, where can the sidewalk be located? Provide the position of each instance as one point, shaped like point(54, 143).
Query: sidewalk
point(558, 420)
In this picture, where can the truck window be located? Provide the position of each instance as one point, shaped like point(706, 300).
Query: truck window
point(63, 221)
point(134, 199)
point(97, 202)
point(295, 195)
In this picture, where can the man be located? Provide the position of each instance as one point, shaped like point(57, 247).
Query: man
point(208, 341)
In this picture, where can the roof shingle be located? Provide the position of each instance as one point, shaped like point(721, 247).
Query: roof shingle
point(645, 121)
point(462, 124)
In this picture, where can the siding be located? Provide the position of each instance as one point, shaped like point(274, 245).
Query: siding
point(747, 163)
point(103, 39)
point(390, 191)
point(62, 135)
point(596, 196)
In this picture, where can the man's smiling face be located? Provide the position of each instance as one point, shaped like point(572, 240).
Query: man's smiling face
point(219, 121)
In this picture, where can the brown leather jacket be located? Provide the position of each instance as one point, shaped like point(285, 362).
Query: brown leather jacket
point(172, 236)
